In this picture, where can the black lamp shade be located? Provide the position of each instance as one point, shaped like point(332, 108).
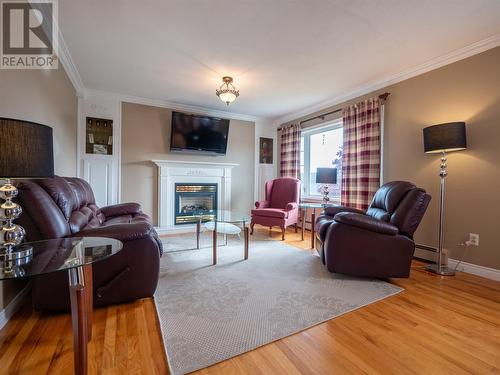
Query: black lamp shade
point(26, 149)
point(326, 176)
point(446, 137)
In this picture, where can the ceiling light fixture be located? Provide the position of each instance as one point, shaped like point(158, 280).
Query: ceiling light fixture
point(227, 92)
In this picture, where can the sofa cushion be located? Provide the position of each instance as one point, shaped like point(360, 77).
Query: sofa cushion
point(61, 193)
point(41, 217)
point(80, 218)
point(387, 198)
point(270, 212)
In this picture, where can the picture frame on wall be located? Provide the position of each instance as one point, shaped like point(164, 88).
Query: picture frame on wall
point(266, 150)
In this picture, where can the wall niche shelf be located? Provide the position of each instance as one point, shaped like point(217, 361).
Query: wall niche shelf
point(99, 136)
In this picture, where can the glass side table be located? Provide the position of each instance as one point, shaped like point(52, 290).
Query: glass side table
point(75, 256)
point(304, 206)
point(225, 222)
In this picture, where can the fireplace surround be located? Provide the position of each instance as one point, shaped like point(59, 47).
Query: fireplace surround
point(172, 172)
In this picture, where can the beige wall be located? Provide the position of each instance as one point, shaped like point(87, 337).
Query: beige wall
point(468, 90)
point(46, 97)
point(146, 136)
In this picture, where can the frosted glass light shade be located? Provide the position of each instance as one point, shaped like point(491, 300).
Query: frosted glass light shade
point(227, 97)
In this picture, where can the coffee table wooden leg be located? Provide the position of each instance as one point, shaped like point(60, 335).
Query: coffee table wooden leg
point(313, 223)
point(214, 245)
point(246, 234)
point(198, 230)
point(79, 316)
point(304, 214)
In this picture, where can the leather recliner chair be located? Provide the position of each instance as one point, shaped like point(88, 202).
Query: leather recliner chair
point(65, 207)
point(376, 243)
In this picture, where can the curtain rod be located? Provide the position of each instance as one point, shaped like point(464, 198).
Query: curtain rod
point(323, 115)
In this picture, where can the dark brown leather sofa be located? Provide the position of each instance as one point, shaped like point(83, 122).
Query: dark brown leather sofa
point(376, 243)
point(65, 207)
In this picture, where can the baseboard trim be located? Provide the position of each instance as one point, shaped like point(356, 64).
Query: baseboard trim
point(486, 272)
point(13, 306)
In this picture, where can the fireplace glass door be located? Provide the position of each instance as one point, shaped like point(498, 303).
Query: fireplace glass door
point(193, 200)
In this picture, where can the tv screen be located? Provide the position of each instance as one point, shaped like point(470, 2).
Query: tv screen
point(198, 133)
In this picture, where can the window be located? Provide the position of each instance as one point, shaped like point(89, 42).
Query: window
point(321, 147)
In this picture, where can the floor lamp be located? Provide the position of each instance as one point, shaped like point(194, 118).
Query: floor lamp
point(443, 138)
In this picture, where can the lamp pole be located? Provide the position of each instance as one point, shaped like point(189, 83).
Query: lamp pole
point(439, 268)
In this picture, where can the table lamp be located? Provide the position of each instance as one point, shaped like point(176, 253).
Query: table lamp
point(326, 176)
point(25, 152)
point(443, 138)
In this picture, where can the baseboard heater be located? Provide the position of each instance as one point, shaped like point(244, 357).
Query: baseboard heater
point(425, 248)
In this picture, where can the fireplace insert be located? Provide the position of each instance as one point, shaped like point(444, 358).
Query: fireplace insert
point(193, 200)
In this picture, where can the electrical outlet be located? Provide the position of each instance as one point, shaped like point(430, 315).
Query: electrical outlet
point(474, 239)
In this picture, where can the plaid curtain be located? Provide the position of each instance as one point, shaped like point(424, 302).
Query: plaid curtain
point(290, 151)
point(361, 153)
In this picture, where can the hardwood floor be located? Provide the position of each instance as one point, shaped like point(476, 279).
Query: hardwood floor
point(436, 326)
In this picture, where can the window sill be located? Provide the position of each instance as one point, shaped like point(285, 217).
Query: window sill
point(311, 199)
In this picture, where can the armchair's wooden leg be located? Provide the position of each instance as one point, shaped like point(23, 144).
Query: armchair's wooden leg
point(251, 228)
point(283, 233)
point(296, 230)
point(270, 229)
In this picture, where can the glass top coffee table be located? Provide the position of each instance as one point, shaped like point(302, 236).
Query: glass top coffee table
point(76, 256)
point(225, 223)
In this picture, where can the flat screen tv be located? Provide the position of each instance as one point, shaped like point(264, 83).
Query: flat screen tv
point(193, 133)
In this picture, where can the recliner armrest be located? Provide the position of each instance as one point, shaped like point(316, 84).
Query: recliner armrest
point(332, 211)
point(122, 232)
point(262, 204)
point(366, 222)
point(121, 209)
point(291, 206)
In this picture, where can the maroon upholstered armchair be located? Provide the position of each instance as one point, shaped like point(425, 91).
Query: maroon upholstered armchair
point(281, 207)
point(376, 243)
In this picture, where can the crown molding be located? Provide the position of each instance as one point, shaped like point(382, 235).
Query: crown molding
point(69, 65)
point(172, 105)
point(454, 56)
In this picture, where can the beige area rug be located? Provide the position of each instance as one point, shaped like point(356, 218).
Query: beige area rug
point(211, 313)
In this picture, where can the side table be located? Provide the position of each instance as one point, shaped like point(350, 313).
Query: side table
point(304, 206)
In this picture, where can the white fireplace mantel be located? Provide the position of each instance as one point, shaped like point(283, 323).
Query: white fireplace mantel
point(171, 172)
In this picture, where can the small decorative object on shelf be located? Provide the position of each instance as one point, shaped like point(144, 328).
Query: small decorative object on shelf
point(326, 176)
point(99, 136)
point(26, 151)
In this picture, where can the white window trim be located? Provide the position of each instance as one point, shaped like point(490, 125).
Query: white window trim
point(306, 133)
